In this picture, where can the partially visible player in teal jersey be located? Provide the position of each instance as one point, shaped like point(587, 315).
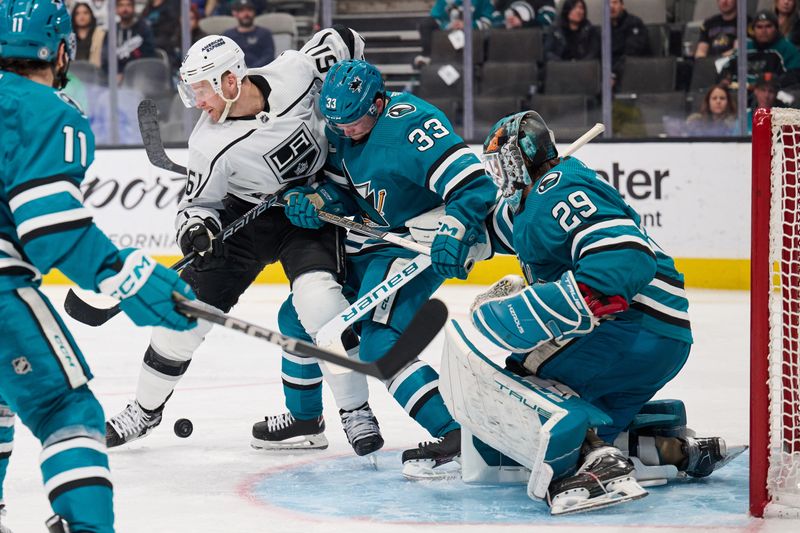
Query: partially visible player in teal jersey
point(395, 163)
point(46, 147)
point(604, 312)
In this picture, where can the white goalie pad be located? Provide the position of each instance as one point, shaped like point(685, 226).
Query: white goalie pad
point(499, 410)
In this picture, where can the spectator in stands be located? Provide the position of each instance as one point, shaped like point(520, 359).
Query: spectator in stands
point(767, 52)
point(255, 41)
point(225, 7)
point(717, 116)
point(200, 5)
point(100, 10)
point(788, 20)
point(512, 14)
point(765, 95)
point(447, 15)
point(628, 37)
point(718, 33)
point(134, 38)
point(573, 37)
point(194, 23)
point(163, 16)
point(88, 37)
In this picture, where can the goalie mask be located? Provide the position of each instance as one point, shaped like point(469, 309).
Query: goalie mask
point(516, 146)
point(205, 65)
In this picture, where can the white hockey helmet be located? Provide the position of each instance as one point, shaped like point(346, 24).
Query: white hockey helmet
point(208, 60)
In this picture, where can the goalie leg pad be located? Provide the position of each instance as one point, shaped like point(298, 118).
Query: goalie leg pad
point(537, 427)
point(537, 314)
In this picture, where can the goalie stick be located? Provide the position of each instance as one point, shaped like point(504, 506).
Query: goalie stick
point(420, 332)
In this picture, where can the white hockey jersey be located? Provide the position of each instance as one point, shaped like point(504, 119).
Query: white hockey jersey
point(254, 156)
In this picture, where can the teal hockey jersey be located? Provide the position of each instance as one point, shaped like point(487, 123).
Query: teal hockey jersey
point(46, 147)
point(574, 220)
point(411, 162)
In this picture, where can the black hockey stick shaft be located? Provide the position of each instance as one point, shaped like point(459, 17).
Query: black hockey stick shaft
point(151, 138)
point(90, 315)
point(420, 332)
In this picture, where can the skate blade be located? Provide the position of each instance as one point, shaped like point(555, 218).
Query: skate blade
point(372, 459)
point(733, 453)
point(427, 471)
point(624, 490)
point(309, 442)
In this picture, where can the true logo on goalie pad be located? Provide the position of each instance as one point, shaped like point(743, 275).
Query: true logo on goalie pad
point(294, 157)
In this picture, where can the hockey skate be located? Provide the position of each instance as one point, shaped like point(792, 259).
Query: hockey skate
point(704, 455)
point(134, 422)
point(284, 432)
point(363, 432)
point(3, 529)
point(606, 478)
point(440, 459)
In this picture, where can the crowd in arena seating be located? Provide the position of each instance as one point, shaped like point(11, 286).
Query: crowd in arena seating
point(675, 63)
point(672, 60)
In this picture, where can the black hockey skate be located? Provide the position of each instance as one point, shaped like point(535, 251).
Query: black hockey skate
point(440, 459)
point(134, 422)
point(605, 478)
point(704, 455)
point(285, 432)
point(362, 430)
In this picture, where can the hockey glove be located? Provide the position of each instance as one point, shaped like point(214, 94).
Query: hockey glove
point(450, 248)
point(146, 289)
point(198, 236)
point(301, 207)
point(601, 304)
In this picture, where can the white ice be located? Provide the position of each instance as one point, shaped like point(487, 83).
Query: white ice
point(202, 484)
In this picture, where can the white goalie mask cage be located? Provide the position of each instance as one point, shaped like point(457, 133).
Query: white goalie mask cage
point(208, 60)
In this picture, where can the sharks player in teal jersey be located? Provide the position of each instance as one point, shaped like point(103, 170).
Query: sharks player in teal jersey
point(394, 158)
point(47, 146)
point(604, 313)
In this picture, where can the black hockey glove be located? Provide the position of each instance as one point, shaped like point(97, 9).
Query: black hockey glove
point(199, 237)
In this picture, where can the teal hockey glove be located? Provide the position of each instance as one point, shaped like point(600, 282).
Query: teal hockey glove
point(300, 209)
point(450, 248)
point(146, 289)
point(536, 314)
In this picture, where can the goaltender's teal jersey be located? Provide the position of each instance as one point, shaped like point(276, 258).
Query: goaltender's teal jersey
point(46, 147)
point(411, 162)
point(572, 219)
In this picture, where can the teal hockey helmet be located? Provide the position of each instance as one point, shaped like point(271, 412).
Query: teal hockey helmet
point(33, 29)
point(517, 145)
point(349, 92)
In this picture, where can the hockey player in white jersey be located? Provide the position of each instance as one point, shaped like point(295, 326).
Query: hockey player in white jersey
point(260, 131)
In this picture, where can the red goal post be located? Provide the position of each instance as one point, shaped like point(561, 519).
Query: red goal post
point(775, 315)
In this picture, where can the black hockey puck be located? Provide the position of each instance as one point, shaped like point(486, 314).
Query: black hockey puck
point(183, 427)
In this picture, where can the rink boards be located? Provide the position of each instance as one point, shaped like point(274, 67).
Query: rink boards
point(694, 199)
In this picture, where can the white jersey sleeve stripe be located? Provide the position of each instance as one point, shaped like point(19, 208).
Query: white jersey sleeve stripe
point(43, 191)
point(611, 241)
point(614, 223)
point(465, 174)
point(439, 171)
point(52, 220)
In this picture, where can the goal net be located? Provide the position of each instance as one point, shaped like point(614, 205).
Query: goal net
point(775, 315)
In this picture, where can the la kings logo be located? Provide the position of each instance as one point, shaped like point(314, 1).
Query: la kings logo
point(295, 156)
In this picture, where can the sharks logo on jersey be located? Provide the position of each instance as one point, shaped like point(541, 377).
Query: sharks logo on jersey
point(548, 182)
point(400, 110)
point(375, 202)
point(293, 157)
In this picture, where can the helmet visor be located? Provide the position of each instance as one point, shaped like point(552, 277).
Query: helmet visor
point(193, 93)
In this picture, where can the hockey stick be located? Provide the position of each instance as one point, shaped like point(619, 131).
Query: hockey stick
point(593, 132)
point(151, 138)
point(90, 315)
point(420, 332)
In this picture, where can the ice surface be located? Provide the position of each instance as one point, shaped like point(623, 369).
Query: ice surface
point(214, 482)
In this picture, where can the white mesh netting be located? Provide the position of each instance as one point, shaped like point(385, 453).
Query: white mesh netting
point(783, 477)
